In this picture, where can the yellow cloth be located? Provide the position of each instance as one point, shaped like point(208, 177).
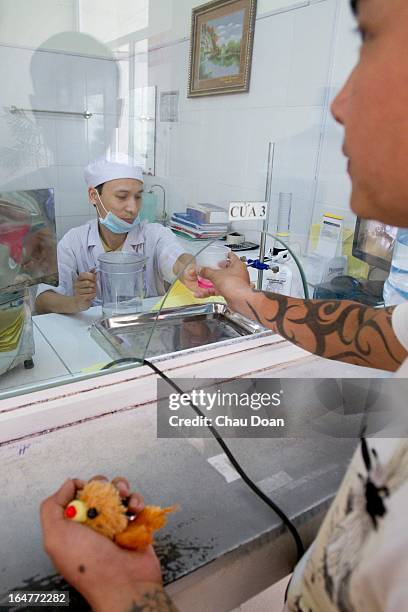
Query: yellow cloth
point(181, 296)
point(96, 367)
point(11, 327)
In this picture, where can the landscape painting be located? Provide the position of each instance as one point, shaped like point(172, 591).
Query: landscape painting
point(221, 47)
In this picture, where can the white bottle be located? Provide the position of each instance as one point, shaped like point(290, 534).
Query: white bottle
point(279, 278)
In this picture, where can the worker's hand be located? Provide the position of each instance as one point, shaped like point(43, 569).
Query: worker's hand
point(94, 565)
point(232, 281)
point(189, 278)
point(85, 290)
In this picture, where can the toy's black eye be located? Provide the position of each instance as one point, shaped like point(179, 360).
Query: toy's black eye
point(125, 501)
point(92, 513)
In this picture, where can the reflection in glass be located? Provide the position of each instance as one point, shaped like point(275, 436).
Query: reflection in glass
point(27, 239)
point(27, 257)
point(16, 331)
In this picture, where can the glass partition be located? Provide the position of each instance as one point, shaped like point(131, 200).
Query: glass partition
point(76, 88)
point(94, 79)
point(100, 338)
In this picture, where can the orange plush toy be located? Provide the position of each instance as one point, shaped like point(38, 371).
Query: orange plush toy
point(99, 506)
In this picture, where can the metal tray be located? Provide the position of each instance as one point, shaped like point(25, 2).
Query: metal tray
point(177, 329)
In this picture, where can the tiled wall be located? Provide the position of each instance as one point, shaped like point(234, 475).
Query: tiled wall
point(51, 150)
point(218, 150)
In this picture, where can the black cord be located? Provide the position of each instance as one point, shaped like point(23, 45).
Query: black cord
point(285, 519)
point(110, 365)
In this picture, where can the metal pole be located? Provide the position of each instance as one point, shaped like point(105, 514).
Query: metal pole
point(268, 189)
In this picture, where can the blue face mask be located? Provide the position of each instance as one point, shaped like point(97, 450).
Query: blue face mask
point(114, 224)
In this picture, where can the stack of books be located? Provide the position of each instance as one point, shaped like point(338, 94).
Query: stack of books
point(201, 222)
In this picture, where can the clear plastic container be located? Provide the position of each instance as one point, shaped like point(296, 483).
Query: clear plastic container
point(211, 257)
point(283, 227)
point(122, 281)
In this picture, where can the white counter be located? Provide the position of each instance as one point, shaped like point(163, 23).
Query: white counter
point(226, 550)
point(64, 348)
point(48, 367)
point(69, 336)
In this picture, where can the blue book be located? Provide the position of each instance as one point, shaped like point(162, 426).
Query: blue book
point(185, 219)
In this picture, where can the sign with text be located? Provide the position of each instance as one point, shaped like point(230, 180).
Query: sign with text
point(247, 211)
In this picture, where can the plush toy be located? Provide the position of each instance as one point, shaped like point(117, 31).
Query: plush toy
point(100, 506)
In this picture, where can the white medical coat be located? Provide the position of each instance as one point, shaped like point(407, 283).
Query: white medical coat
point(79, 249)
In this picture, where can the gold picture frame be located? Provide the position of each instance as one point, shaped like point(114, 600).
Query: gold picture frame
point(222, 36)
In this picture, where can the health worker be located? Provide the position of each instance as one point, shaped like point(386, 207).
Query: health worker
point(115, 189)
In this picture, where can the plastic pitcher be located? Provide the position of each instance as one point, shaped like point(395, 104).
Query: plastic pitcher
point(122, 281)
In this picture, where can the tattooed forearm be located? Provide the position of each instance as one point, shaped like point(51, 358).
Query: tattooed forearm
point(342, 330)
point(152, 600)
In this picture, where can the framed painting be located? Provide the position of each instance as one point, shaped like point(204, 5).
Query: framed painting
point(222, 34)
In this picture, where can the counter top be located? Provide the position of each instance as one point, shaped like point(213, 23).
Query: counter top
point(64, 348)
point(223, 534)
point(217, 518)
point(47, 367)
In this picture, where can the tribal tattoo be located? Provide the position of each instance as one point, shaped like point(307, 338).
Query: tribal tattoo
point(155, 600)
point(339, 330)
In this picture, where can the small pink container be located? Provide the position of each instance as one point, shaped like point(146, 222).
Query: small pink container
point(211, 257)
point(204, 283)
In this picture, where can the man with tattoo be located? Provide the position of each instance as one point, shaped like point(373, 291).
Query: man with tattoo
point(359, 560)
point(377, 152)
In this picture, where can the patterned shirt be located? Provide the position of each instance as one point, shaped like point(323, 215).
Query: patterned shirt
point(359, 559)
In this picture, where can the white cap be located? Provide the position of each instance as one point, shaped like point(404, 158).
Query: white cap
point(119, 166)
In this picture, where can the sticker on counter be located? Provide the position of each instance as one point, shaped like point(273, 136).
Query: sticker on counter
point(222, 464)
point(271, 483)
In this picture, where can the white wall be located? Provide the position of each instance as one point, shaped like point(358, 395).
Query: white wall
point(218, 150)
point(74, 73)
point(50, 150)
point(109, 21)
point(170, 20)
point(28, 23)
